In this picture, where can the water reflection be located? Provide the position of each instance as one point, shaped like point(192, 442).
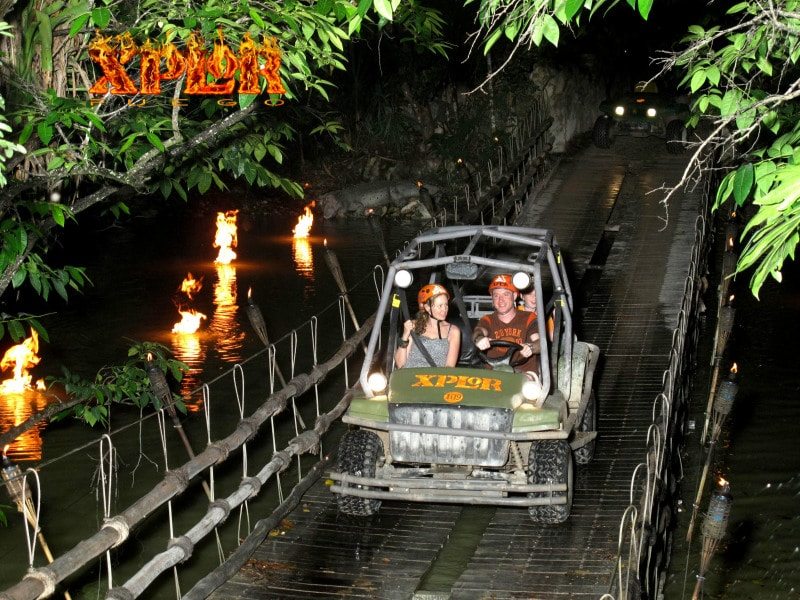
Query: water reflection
point(15, 408)
point(189, 348)
point(303, 257)
point(228, 336)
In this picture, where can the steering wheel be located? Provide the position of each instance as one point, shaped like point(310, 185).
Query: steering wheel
point(510, 358)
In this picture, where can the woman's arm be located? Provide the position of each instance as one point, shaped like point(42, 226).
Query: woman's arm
point(403, 345)
point(454, 346)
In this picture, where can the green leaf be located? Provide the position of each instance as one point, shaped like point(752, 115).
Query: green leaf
point(246, 100)
point(644, 8)
point(742, 183)
point(45, 133)
point(18, 278)
point(491, 40)
point(550, 30)
point(698, 79)
point(78, 24)
point(155, 141)
point(384, 9)
point(16, 331)
point(35, 324)
point(55, 163)
point(58, 215)
point(26, 132)
point(204, 182)
point(572, 7)
point(101, 17)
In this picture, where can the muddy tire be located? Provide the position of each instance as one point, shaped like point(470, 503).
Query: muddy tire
point(359, 452)
point(675, 137)
point(601, 134)
point(584, 454)
point(550, 461)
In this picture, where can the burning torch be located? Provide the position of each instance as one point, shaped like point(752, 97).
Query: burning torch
point(257, 321)
point(719, 510)
point(723, 403)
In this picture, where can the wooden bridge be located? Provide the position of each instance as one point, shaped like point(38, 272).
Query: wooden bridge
point(631, 266)
point(635, 270)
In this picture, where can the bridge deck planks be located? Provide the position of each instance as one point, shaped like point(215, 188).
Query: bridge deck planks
point(629, 314)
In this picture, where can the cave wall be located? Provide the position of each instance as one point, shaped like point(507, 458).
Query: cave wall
point(572, 95)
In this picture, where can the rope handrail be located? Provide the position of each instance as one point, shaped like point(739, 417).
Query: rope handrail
point(116, 529)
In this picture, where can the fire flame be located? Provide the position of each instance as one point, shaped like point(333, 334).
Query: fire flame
point(722, 482)
point(735, 368)
point(304, 222)
point(730, 298)
point(190, 321)
point(21, 358)
point(226, 239)
point(190, 286)
point(730, 242)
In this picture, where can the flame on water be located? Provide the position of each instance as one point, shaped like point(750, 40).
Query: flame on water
point(18, 404)
point(190, 321)
point(735, 368)
point(304, 222)
point(190, 286)
point(226, 237)
point(20, 359)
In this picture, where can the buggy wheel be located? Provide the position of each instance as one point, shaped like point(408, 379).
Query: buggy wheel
point(584, 454)
point(359, 452)
point(550, 461)
point(601, 134)
point(675, 131)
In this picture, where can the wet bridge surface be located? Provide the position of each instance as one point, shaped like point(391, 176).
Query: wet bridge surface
point(628, 267)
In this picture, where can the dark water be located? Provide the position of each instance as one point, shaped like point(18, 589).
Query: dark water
point(758, 453)
point(136, 271)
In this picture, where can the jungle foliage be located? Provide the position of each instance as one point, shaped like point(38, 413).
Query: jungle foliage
point(741, 68)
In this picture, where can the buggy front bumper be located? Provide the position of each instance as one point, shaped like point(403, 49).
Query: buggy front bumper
point(458, 491)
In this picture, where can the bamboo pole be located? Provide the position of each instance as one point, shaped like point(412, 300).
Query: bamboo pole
point(12, 475)
point(338, 276)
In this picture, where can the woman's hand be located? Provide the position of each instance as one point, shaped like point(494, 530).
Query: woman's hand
point(408, 326)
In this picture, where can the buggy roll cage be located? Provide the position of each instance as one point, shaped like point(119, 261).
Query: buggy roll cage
point(456, 253)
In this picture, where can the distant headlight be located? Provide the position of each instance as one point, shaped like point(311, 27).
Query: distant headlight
point(403, 278)
point(521, 280)
point(651, 112)
point(377, 382)
point(619, 110)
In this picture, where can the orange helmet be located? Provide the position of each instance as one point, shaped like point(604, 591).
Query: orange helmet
point(427, 292)
point(502, 281)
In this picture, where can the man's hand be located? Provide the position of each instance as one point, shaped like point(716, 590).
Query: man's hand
point(483, 343)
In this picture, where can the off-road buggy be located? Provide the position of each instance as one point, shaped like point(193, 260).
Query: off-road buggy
point(642, 113)
point(475, 433)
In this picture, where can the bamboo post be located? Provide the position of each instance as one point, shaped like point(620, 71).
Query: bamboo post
point(12, 476)
point(726, 394)
point(160, 387)
point(336, 271)
point(722, 334)
point(256, 318)
point(375, 226)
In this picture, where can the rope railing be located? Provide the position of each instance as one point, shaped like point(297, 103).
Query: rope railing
point(645, 522)
point(115, 530)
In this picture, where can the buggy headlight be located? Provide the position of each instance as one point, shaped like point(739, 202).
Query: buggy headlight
point(403, 278)
point(521, 280)
point(532, 390)
point(651, 112)
point(619, 110)
point(377, 382)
